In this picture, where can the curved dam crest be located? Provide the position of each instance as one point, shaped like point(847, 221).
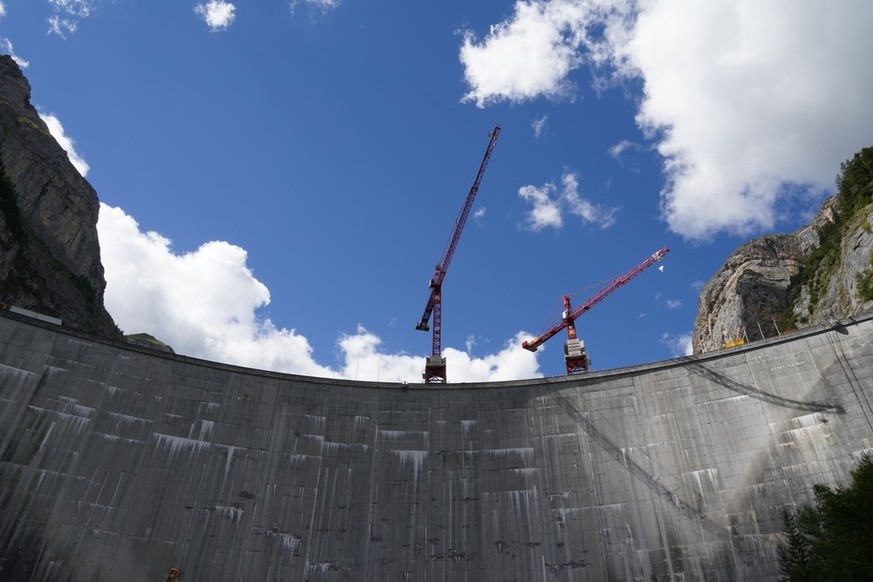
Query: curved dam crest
point(120, 463)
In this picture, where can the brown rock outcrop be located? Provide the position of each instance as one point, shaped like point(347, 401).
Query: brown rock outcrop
point(744, 299)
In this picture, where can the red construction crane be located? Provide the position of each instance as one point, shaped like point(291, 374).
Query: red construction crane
point(435, 366)
point(574, 349)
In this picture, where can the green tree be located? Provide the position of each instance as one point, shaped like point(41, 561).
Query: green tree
point(833, 539)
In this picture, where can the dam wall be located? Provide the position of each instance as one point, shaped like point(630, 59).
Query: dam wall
point(121, 463)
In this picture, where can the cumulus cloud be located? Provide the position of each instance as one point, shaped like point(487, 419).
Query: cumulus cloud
point(528, 56)
point(551, 203)
point(204, 303)
point(546, 211)
point(750, 104)
point(512, 362)
point(363, 360)
point(6, 48)
point(56, 128)
point(217, 14)
point(2, 9)
point(679, 345)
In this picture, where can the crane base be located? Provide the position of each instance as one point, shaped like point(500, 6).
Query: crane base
point(435, 370)
point(575, 356)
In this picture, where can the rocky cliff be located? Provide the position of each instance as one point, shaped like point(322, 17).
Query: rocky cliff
point(778, 283)
point(49, 251)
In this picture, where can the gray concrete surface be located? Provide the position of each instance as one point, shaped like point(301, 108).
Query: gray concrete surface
point(117, 463)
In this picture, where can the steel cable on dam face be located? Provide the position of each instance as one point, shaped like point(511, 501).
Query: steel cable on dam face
point(746, 390)
point(636, 470)
point(851, 377)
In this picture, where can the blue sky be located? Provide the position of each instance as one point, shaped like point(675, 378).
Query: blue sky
point(278, 179)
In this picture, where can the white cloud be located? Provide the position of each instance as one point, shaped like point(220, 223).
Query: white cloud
point(526, 57)
point(67, 14)
point(539, 125)
point(6, 48)
point(80, 8)
point(217, 14)
point(679, 345)
point(57, 130)
point(512, 362)
point(749, 102)
point(673, 304)
point(363, 361)
point(618, 149)
point(2, 10)
point(325, 5)
point(546, 211)
point(58, 25)
point(549, 205)
point(203, 304)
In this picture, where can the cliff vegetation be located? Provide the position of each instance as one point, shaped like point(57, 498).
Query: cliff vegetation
point(778, 283)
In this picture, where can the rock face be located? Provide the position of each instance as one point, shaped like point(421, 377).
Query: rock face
point(841, 296)
point(750, 288)
point(50, 259)
point(742, 302)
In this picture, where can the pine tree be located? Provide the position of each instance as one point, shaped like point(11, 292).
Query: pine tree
point(833, 540)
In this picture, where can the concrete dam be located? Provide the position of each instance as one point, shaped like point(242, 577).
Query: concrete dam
point(121, 463)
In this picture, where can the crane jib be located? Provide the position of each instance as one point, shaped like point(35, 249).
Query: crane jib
point(440, 270)
point(435, 372)
point(569, 319)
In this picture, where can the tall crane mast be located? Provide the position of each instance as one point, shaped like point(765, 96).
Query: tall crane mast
point(575, 356)
point(435, 366)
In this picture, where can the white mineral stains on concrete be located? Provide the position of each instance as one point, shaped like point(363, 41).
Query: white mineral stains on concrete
point(227, 460)
point(234, 513)
point(399, 434)
point(289, 541)
point(116, 438)
point(206, 427)
point(128, 419)
point(332, 445)
point(176, 444)
point(524, 452)
point(16, 373)
point(414, 457)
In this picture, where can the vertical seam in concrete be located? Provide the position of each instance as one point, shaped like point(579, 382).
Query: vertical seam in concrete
point(851, 378)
